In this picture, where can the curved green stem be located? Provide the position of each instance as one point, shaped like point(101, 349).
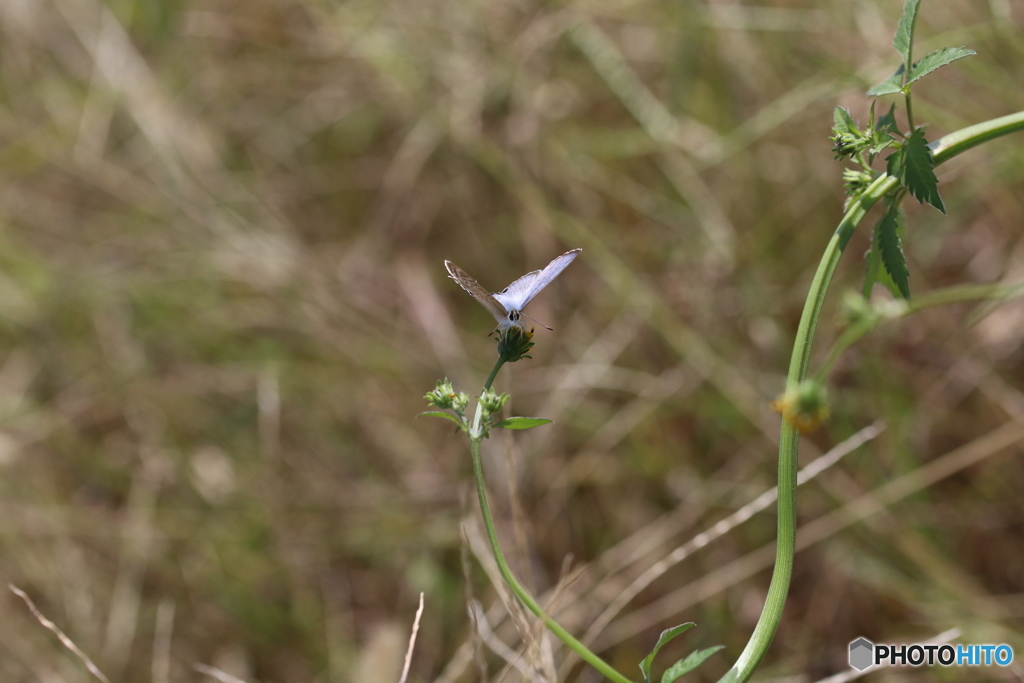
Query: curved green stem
point(962, 140)
point(494, 372)
point(848, 338)
point(766, 626)
point(520, 592)
point(475, 437)
point(771, 615)
point(943, 297)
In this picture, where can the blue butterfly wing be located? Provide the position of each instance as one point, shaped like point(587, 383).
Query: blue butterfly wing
point(517, 295)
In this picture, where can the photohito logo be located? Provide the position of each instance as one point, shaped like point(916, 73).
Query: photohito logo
point(864, 653)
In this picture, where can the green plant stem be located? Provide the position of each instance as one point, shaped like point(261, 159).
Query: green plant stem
point(475, 432)
point(771, 615)
point(475, 437)
point(943, 297)
point(848, 338)
point(494, 372)
point(521, 593)
point(962, 140)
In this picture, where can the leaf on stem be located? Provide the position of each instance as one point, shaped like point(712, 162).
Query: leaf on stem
point(893, 84)
point(887, 250)
point(905, 30)
point(843, 123)
point(666, 636)
point(913, 165)
point(886, 123)
point(522, 423)
point(884, 132)
point(933, 60)
point(438, 413)
point(684, 666)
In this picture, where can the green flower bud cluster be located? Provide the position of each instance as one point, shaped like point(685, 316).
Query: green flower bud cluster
point(492, 402)
point(855, 181)
point(444, 397)
point(850, 141)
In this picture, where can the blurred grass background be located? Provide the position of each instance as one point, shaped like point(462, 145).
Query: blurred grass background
point(222, 227)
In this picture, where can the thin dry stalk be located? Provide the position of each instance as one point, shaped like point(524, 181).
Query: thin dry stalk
point(412, 641)
point(64, 640)
point(490, 638)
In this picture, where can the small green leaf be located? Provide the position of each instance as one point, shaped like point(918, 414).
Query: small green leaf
point(876, 271)
point(887, 122)
point(933, 60)
point(904, 39)
point(880, 147)
point(438, 413)
point(843, 122)
point(887, 236)
point(893, 84)
point(666, 635)
point(684, 666)
point(522, 422)
point(913, 165)
point(884, 131)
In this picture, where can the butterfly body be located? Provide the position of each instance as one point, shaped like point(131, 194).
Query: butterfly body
point(507, 305)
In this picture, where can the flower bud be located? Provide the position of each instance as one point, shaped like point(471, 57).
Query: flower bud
point(492, 401)
point(514, 343)
point(444, 397)
point(805, 406)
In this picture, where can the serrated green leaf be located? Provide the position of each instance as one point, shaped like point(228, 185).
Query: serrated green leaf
point(877, 274)
point(893, 84)
point(913, 165)
point(684, 666)
point(666, 635)
point(843, 122)
point(904, 40)
point(887, 239)
point(933, 60)
point(881, 147)
point(522, 422)
point(438, 413)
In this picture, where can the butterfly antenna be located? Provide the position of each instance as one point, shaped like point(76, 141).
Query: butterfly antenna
point(549, 329)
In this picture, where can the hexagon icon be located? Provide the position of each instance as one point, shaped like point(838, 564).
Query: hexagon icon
point(861, 651)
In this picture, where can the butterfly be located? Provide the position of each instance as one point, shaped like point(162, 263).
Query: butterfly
point(506, 306)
